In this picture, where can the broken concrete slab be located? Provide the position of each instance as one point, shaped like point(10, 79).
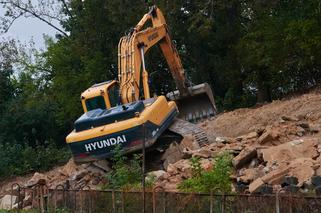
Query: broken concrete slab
point(303, 169)
point(251, 135)
point(70, 168)
point(189, 142)
point(245, 156)
point(290, 151)
point(276, 176)
point(173, 154)
point(256, 185)
point(248, 175)
point(156, 175)
point(37, 178)
point(103, 165)
point(289, 118)
point(267, 137)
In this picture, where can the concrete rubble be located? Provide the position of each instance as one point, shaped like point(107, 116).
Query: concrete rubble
point(269, 145)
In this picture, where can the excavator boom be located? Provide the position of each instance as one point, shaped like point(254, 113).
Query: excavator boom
point(131, 51)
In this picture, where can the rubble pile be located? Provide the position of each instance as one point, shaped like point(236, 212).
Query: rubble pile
point(69, 176)
point(287, 148)
point(270, 144)
point(275, 148)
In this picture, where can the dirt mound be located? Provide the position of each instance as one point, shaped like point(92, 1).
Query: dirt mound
point(242, 121)
point(269, 144)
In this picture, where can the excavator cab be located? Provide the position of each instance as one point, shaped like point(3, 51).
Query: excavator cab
point(104, 95)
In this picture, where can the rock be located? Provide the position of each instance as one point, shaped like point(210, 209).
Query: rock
point(187, 154)
point(103, 165)
point(173, 154)
point(204, 152)
point(189, 142)
point(302, 169)
point(304, 125)
point(254, 163)
point(220, 140)
point(300, 131)
point(70, 168)
point(155, 175)
point(171, 169)
point(315, 128)
point(250, 135)
point(276, 176)
point(97, 171)
point(289, 118)
point(248, 175)
point(273, 178)
point(79, 175)
point(183, 167)
point(290, 151)
point(224, 140)
point(267, 137)
point(5, 202)
point(37, 178)
point(256, 185)
point(246, 155)
point(175, 179)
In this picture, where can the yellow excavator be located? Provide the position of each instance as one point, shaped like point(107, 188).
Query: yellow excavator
point(115, 112)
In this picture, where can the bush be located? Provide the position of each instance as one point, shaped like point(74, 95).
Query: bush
point(17, 159)
point(125, 175)
point(218, 179)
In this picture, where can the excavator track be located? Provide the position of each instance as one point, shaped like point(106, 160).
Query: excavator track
point(185, 128)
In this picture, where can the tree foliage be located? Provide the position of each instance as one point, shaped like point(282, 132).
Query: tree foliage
point(249, 51)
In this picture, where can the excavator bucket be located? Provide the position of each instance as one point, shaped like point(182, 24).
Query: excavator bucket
point(197, 106)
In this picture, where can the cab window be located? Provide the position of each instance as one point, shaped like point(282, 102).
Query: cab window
point(113, 94)
point(97, 102)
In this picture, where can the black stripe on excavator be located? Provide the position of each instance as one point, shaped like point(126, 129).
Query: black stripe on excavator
point(130, 139)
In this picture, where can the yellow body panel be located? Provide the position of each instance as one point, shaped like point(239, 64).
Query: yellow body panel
point(155, 112)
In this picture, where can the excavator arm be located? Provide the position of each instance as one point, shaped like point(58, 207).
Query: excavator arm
point(194, 102)
point(132, 49)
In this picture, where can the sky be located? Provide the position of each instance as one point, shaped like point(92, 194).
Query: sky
point(25, 29)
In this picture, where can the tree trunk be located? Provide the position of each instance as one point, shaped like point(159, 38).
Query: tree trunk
point(264, 90)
